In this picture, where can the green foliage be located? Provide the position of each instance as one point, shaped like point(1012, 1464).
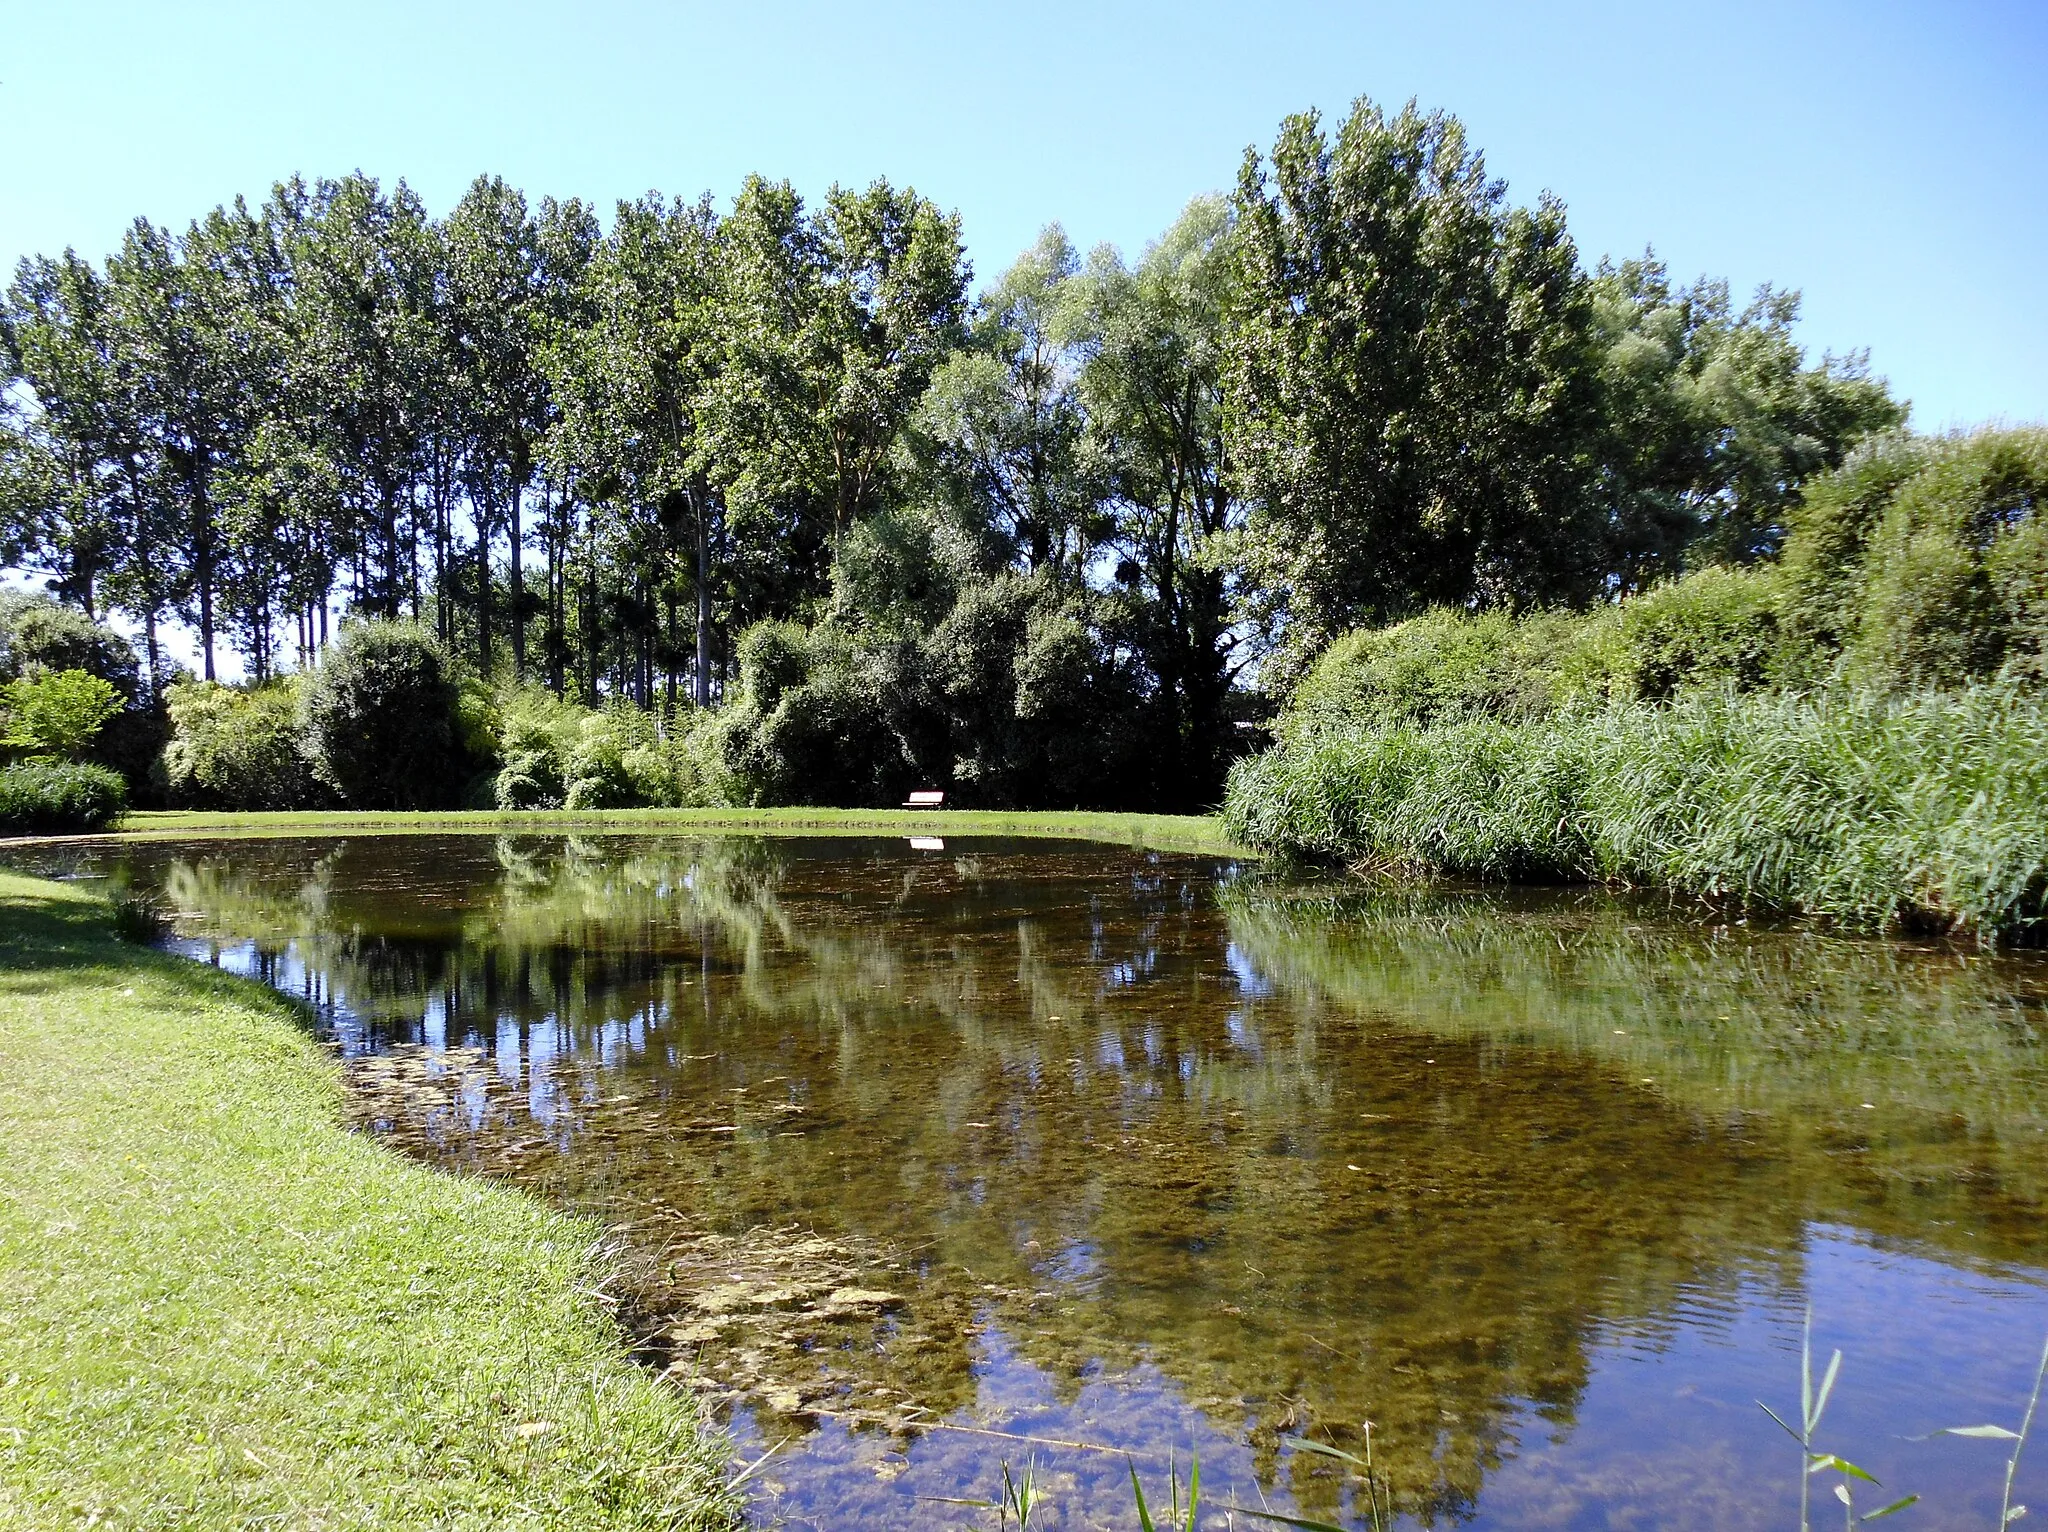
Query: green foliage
point(1442, 665)
point(1857, 807)
point(1958, 567)
point(1012, 700)
point(1713, 419)
point(240, 748)
point(1410, 381)
point(1717, 629)
point(38, 636)
point(59, 797)
point(56, 715)
point(380, 719)
point(1365, 386)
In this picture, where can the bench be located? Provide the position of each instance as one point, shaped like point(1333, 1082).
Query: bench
point(926, 800)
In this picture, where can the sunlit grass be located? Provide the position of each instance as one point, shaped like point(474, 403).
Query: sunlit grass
point(1158, 832)
point(220, 1309)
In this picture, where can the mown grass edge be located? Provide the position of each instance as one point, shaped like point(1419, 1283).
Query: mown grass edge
point(221, 1308)
point(1199, 834)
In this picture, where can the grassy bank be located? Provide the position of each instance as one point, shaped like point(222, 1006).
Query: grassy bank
point(218, 1308)
point(1865, 810)
point(1158, 832)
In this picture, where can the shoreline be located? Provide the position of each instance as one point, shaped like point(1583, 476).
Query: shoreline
point(218, 1304)
point(1197, 834)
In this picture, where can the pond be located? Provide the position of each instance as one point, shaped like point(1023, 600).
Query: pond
point(925, 1159)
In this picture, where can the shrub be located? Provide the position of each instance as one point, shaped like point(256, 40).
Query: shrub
point(1958, 568)
point(380, 719)
point(1444, 664)
point(57, 715)
point(236, 748)
point(1716, 627)
point(38, 635)
point(59, 797)
point(535, 734)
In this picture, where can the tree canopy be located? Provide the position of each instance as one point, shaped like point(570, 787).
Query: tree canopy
point(1113, 496)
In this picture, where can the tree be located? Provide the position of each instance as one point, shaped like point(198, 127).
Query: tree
point(1153, 337)
point(834, 325)
point(56, 716)
point(630, 385)
point(365, 269)
point(1407, 377)
point(73, 452)
point(1003, 418)
point(1713, 419)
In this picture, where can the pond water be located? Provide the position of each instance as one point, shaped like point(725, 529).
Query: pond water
point(925, 1160)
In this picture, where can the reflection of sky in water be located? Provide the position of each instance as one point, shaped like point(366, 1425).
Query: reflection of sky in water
point(1671, 1428)
point(1561, 1217)
point(1668, 1431)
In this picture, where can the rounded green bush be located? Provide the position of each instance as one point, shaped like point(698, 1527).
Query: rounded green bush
point(60, 797)
point(379, 717)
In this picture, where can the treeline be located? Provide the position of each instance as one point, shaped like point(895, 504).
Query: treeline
point(1032, 546)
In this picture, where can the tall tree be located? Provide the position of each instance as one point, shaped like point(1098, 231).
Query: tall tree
point(1003, 416)
point(1153, 337)
point(1408, 378)
point(74, 450)
point(364, 270)
point(630, 384)
point(834, 325)
point(1714, 418)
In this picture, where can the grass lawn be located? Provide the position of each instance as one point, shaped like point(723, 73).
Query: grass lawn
point(1159, 832)
point(219, 1308)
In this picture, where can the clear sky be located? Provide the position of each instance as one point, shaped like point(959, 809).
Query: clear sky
point(1888, 159)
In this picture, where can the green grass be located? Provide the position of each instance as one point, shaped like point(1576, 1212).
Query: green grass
point(1866, 810)
point(219, 1308)
point(1158, 832)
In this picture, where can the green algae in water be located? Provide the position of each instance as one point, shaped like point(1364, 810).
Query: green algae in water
point(937, 1161)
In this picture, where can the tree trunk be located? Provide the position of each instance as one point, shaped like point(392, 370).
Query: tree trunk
point(703, 500)
point(483, 593)
point(149, 646)
point(518, 573)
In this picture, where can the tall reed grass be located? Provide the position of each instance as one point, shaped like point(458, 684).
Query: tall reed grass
point(1869, 810)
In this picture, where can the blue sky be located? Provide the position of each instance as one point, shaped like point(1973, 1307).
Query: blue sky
point(1890, 160)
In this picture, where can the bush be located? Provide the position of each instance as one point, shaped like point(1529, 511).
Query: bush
point(1717, 629)
point(57, 715)
point(232, 748)
point(380, 719)
point(60, 797)
point(38, 637)
point(1442, 665)
point(1957, 582)
point(1865, 809)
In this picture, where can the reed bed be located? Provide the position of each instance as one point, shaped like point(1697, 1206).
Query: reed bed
point(1872, 811)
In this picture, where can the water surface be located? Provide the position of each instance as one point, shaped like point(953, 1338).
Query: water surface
point(931, 1160)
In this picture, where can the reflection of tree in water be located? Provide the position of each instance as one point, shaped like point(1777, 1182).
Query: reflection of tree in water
point(1304, 1159)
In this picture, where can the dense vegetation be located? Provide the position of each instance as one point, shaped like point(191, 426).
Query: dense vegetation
point(1856, 730)
point(756, 504)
